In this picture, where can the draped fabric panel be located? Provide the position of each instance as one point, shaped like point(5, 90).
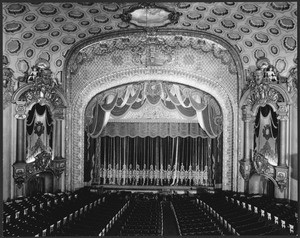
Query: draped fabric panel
point(39, 128)
point(152, 129)
point(266, 133)
point(153, 161)
point(189, 102)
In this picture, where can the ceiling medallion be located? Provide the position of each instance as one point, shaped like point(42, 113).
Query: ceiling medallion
point(149, 15)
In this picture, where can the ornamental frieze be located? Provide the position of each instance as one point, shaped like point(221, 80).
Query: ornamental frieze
point(150, 50)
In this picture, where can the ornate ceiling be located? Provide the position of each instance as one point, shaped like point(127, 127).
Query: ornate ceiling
point(48, 30)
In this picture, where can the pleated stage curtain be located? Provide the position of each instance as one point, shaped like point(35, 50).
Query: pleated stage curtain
point(154, 161)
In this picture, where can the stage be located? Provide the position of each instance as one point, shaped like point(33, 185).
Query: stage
point(153, 189)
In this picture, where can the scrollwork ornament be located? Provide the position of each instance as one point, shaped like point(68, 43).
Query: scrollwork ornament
point(282, 177)
point(262, 166)
point(19, 174)
point(245, 169)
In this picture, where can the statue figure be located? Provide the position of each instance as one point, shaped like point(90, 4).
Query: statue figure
point(151, 175)
point(271, 74)
point(169, 174)
point(259, 76)
point(35, 70)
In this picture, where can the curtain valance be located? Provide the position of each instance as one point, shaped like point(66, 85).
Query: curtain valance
point(189, 102)
point(144, 129)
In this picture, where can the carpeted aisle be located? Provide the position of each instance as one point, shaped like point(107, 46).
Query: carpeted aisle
point(169, 221)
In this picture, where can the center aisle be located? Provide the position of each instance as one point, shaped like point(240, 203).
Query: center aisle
point(169, 221)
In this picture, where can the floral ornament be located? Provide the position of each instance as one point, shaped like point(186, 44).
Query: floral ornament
point(39, 128)
point(267, 132)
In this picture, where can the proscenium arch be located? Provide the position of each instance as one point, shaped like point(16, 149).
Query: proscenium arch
point(76, 150)
point(75, 113)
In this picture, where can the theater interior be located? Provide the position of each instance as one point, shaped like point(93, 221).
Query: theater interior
point(149, 119)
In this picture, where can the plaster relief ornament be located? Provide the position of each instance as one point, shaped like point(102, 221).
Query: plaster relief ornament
point(152, 51)
point(259, 81)
point(149, 15)
point(292, 80)
point(44, 85)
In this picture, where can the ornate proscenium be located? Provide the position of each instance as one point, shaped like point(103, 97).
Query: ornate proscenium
point(149, 15)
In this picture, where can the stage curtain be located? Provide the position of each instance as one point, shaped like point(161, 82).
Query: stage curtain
point(153, 161)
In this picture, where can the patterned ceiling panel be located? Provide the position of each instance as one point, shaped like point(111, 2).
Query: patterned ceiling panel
point(255, 28)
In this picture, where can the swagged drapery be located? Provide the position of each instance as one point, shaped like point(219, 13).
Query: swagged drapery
point(266, 134)
point(188, 101)
point(39, 128)
point(109, 140)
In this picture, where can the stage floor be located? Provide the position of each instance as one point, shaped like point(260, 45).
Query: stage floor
point(145, 188)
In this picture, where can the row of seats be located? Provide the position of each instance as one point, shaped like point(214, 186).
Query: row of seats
point(192, 220)
point(44, 214)
point(143, 217)
point(236, 219)
point(98, 221)
point(281, 211)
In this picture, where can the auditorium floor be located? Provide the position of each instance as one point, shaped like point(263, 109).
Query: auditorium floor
point(169, 222)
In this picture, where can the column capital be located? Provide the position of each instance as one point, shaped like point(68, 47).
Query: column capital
point(20, 110)
point(58, 114)
point(282, 111)
point(247, 113)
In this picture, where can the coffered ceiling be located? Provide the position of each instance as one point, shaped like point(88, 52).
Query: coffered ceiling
point(48, 30)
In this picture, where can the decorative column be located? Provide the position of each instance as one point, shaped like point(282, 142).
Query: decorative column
point(245, 162)
point(19, 167)
point(58, 163)
point(282, 169)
